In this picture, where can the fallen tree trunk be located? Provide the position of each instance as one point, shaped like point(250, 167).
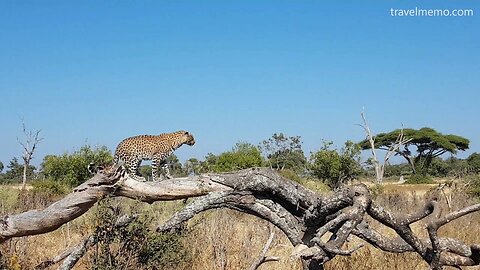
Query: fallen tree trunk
point(115, 183)
point(303, 215)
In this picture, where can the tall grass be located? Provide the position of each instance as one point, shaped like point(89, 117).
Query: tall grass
point(226, 239)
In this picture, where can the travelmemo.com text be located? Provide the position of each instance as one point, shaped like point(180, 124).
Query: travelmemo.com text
point(422, 12)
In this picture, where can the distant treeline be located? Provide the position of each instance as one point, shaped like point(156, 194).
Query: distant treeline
point(280, 152)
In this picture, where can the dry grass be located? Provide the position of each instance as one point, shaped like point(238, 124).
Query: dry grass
point(225, 239)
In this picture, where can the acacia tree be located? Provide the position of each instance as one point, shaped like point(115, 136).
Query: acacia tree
point(283, 152)
point(428, 142)
point(32, 139)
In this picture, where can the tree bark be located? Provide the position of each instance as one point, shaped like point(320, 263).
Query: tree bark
point(303, 215)
point(24, 179)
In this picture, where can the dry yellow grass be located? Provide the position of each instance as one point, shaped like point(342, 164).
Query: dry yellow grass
point(225, 239)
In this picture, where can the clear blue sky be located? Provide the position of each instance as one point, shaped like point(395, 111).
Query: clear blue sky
point(98, 71)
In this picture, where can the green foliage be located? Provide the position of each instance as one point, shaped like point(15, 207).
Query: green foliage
point(284, 152)
point(49, 186)
point(473, 184)
point(15, 171)
point(438, 167)
point(419, 179)
point(336, 167)
point(396, 170)
point(289, 174)
point(1, 167)
point(192, 166)
point(377, 190)
point(473, 162)
point(175, 166)
point(145, 171)
point(8, 199)
point(429, 144)
point(242, 156)
point(208, 165)
point(71, 169)
point(134, 245)
point(308, 182)
point(161, 249)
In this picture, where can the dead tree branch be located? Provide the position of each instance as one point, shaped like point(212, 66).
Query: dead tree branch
point(262, 258)
point(32, 139)
point(392, 149)
point(303, 215)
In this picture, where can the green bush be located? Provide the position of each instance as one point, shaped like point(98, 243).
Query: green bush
point(419, 179)
point(49, 186)
point(161, 249)
point(336, 167)
point(8, 199)
point(289, 174)
point(141, 246)
point(474, 162)
point(242, 156)
point(71, 169)
point(473, 182)
point(377, 190)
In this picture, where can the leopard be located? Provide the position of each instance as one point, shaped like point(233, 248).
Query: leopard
point(133, 150)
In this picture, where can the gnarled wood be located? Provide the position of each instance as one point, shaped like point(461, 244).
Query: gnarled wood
point(86, 195)
point(303, 215)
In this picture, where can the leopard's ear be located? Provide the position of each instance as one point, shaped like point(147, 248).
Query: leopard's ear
point(186, 133)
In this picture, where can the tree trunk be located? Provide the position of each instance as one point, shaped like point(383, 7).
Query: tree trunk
point(379, 172)
point(24, 182)
point(303, 215)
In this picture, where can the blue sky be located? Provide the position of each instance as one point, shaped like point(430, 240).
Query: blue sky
point(98, 71)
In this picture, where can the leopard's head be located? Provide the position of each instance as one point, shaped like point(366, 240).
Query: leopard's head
point(187, 138)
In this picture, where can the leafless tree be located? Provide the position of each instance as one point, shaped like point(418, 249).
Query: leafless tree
point(32, 139)
point(378, 166)
point(301, 214)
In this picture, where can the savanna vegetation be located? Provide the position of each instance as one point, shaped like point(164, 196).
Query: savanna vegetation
point(226, 239)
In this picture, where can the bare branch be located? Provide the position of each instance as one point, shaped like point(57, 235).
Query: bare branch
point(262, 258)
point(301, 214)
point(31, 141)
point(392, 149)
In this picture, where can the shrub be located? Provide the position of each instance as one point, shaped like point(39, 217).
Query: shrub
point(289, 174)
point(377, 190)
point(474, 162)
point(419, 179)
point(473, 185)
point(242, 156)
point(49, 186)
point(336, 167)
point(133, 246)
point(71, 169)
